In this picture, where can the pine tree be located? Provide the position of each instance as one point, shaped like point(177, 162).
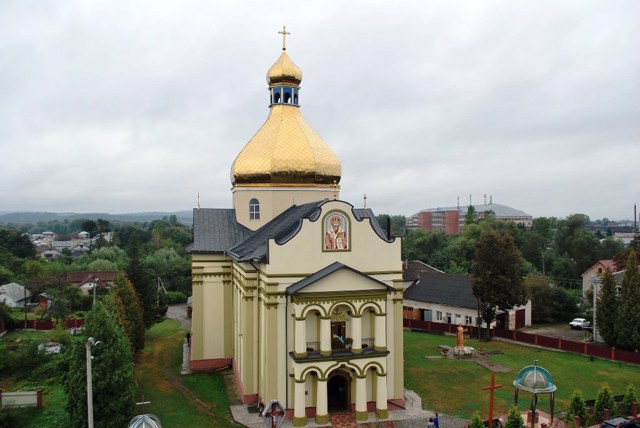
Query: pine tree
point(141, 279)
point(129, 312)
point(607, 308)
point(628, 322)
point(112, 373)
point(604, 400)
point(577, 407)
point(514, 420)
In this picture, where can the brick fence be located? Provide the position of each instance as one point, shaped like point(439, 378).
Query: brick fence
point(590, 349)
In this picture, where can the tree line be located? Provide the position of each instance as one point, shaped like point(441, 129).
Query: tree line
point(151, 253)
point(555, 252)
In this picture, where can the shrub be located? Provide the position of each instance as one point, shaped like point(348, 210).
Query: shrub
point(630, 397)
point(514, 420)
point(604, 400)
point(577, 407)
point(476, 421)
point(173, 297)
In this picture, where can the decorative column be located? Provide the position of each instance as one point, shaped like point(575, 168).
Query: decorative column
point(325, 335)
point(299, 411)
point(322, 409)
point(380, 340)
point(381, 396)
point(356, 331)
point(300, 347)
point(361, 398)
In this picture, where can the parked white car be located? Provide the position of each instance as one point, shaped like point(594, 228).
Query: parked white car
point(579, 323)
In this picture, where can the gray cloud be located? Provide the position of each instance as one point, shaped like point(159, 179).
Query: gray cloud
point(133, 106)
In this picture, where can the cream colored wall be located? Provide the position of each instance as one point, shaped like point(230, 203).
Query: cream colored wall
point(212, 315)
point(254, 314)
point(370, 254)
point(275, 200)
point(343, 281)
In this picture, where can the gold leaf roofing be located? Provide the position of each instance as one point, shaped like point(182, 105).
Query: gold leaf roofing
point(284, 71)
point(286, 151)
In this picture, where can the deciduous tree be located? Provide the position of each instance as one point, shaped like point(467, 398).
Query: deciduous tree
point(497, 275)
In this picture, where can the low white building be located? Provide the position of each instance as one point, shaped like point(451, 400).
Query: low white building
point(14, 295)
point(445, 298)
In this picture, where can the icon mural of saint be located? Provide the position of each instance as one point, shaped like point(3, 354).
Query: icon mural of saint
point(336, 232)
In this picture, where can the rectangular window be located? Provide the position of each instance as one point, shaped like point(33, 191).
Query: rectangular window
point(468, 319)
point(438, 316)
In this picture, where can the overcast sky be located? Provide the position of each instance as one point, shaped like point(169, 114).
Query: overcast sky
point(123, 106)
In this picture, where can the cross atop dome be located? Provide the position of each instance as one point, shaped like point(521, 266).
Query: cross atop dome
point(284, 33)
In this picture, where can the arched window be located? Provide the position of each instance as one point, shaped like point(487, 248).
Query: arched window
point(276, 98)
point(254, 209)
point(287, 98)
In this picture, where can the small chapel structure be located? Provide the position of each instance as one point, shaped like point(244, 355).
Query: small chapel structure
point(298, 291)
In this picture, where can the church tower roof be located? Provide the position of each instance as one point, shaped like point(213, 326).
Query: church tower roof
point(285, 151)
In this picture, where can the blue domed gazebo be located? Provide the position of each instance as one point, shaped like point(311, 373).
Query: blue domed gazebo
point(145, 421)
point(536, 380)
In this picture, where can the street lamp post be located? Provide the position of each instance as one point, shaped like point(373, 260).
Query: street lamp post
point(90, 343)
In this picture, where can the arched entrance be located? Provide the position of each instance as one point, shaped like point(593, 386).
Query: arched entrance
point(339, 392)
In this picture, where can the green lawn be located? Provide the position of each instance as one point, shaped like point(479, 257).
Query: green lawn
point(159, 381)
point(455, 386)
point(448, 386)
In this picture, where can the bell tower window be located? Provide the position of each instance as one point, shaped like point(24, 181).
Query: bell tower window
point(254, 209)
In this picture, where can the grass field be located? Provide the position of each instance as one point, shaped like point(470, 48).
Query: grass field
point(455, 386)
point(447, 386)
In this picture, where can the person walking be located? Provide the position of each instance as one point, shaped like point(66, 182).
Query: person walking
point(431, 424)
point(436, 421)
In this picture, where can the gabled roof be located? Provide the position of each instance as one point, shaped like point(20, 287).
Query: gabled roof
point(14, 291)
point(413, 269)
point(281, 229)
point(444, 289)
point(611, 264)
point(325, 272)
point(216, 230)
point(79, 278)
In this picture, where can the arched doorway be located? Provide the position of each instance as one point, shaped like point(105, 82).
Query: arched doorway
point(339, 392)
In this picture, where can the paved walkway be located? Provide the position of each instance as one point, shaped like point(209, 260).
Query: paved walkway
point(179, 313)
point(412, 417)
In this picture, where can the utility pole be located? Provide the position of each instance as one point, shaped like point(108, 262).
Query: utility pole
point(90, 343)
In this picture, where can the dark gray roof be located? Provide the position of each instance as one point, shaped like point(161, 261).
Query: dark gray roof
point(216, 230)
point(281, 229)
point(443, 288)
point(322, 273)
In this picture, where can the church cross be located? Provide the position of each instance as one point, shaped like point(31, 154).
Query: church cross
point(284, 33)
point(491, 389)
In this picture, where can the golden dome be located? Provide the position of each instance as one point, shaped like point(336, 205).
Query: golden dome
point(286, 151)
point(284, 71)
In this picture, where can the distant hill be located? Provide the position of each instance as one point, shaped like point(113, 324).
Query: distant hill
point(30, 217)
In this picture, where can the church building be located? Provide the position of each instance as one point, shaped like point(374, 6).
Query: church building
point(298, 291)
